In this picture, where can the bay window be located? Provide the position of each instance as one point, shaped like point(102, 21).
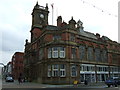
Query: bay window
point(62, 70)
point(49, 71)
point(56, 52)
point(62, 52)
point(55, 71)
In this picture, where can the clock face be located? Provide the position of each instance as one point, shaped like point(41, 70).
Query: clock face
point(41, 15)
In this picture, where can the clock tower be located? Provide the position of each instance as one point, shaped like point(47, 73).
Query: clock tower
point(39, 20)
point(40, 16)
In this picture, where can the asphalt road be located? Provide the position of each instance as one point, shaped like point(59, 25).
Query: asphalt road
point(36, 86)
point(61, 89)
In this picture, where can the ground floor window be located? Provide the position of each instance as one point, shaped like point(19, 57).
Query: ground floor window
point(57, 70)
point(62, 70)
point(73, 71)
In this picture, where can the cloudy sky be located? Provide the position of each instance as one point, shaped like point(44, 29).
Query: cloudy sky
point(98, 16)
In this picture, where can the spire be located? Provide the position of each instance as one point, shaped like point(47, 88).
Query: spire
point(46, 6)
point(36, 6)
point(36, 3)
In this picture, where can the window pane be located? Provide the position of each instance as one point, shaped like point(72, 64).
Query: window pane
point(73, 71)
point(56, 37)
point(82, 52)
point(73, 52)
point(49, 52)
point(97, 55)
point(55, 52)
point(55, 48)
point(49, 71)
point(90, 53)
point(62, 66)
point(61, 48)
point(72, 37)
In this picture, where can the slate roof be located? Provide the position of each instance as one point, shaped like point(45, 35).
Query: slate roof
point(51, 27)
point(82, 32)
point(87, 34)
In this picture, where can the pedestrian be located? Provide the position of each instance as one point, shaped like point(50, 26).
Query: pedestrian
point(75, 83)
point(19, 79)
point(86, 82)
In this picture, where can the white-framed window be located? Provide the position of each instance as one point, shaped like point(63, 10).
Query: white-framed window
point(55, 52)
point(73, 71)
point(62, 70)
point(49, 52)
point(49, 71)
point(55, 70)
point(62, 52)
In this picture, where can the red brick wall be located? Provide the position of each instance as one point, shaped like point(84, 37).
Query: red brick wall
point(36, 32)
point(48, 37)
point(65, 36)
point(18, 64)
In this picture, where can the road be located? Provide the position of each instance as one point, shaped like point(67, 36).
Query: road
point(35, 86)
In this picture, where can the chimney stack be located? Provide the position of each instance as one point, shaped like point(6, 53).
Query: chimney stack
point(59, 21)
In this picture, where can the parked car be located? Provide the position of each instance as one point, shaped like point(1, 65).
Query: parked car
point(9, 79)
point(114, 81)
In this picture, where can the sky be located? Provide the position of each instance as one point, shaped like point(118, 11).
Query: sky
point(98, 16)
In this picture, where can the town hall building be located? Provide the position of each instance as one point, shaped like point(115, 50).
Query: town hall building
point(65, 52)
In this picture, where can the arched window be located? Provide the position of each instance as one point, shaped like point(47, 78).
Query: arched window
point(97, 54)
point(73, 71)
point(82, 52)
point(90, 53)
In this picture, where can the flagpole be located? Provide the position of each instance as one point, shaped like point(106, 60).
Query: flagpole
point(52, 13)
point(52, 16)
